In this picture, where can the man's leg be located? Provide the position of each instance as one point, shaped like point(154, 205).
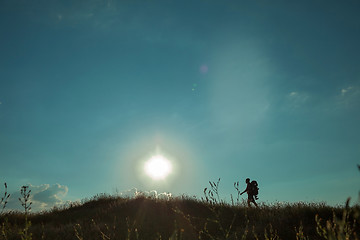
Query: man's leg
point(253, 201)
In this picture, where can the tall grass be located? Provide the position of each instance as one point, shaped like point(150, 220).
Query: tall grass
point(110, 217)
point(4, 199)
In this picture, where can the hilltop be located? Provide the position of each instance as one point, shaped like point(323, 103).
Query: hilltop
point(111, 217)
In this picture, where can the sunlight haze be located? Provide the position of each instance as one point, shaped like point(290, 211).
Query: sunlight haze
point(90, 91)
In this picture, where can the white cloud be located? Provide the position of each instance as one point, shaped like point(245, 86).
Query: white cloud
point(43, 197)
point(131, 193)
point(152, 194)
point(164, 195)
point(50, 195)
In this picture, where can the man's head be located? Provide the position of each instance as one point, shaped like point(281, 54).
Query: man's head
point(247, 180)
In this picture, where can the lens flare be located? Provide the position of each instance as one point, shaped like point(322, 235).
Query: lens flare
point(204, 69)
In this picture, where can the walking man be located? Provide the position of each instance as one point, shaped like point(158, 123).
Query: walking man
point(251, 191)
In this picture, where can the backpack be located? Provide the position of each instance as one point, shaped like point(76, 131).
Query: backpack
point(254, 189)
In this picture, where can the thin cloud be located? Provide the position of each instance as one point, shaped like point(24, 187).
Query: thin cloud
point(293, 94)
point(239, 92)
point(346, 90)
point(349, 97)
point(297, 99)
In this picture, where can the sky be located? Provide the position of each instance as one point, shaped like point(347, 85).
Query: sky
point(266, 90)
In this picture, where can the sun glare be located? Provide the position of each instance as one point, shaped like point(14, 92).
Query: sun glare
point(158, 167)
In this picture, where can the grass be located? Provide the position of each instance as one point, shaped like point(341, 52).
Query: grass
point(111, 217)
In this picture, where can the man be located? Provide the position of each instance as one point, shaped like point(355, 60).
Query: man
point(248, 190)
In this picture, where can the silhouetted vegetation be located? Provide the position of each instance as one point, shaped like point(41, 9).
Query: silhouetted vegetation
point(141, 217)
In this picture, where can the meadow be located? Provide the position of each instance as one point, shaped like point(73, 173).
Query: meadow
point(142, 217)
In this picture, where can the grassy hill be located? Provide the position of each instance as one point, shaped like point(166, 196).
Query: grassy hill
point(110, 217)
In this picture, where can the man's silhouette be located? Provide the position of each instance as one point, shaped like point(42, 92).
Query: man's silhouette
point(249, 192)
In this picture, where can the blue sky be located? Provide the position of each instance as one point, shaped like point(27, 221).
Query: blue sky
point(89, 90)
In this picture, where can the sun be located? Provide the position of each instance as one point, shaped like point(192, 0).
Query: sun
point(158, 167)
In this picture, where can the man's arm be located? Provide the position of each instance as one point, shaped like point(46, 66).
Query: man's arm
point(244, 191)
